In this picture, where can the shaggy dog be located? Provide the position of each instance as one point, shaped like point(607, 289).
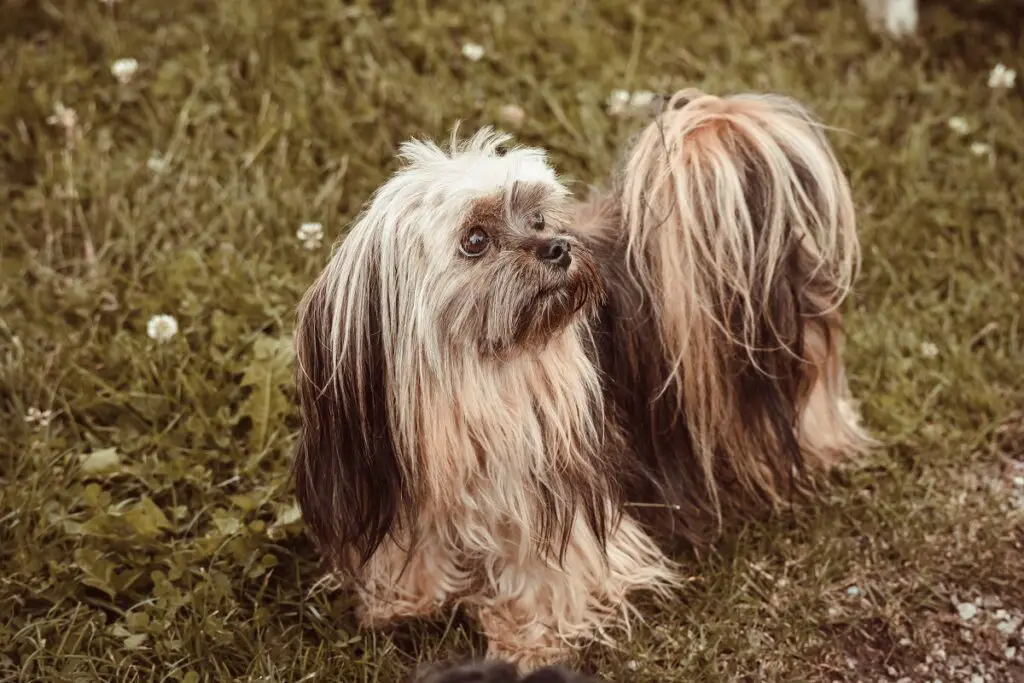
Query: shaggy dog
point(512, 400)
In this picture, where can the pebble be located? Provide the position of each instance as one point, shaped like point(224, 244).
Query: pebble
point(1010, 652)
point(853, 591)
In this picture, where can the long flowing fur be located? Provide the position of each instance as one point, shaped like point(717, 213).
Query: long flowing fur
point(506, 395)
point(728, 247)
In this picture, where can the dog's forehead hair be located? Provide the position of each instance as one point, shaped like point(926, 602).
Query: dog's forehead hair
point(518, 201)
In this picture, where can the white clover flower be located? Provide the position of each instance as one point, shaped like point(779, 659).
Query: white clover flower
point(124, 69)
point(39, 417)
point(62, 116)
point(929, 350)
point(156, 164)
point(513, 115)
point(617, 102)
point(162, 328)
point(959, 125)
point(310, 234)
point(980, 149)
point(967, 610)
point(641, 99)
point(474, 52)
point(1001, 77)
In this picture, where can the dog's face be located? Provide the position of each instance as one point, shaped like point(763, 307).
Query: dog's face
point(505, 273)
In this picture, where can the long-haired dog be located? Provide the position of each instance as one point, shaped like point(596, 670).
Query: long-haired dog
point(508, 396)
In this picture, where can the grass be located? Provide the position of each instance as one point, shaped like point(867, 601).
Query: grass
point(149, 531)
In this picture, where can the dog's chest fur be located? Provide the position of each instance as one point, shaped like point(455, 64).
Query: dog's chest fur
point(515, 442)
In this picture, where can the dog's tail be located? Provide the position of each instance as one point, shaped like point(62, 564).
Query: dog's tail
point(740, 227)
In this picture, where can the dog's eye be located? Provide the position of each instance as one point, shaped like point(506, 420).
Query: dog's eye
point(537, 221)
point(475, 242)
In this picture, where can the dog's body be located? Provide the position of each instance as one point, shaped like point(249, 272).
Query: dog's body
point(506, 394)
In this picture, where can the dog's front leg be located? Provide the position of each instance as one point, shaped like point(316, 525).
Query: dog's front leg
point(401, 582)
point(541, 608)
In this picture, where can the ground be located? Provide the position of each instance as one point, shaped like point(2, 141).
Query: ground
point(148, 529)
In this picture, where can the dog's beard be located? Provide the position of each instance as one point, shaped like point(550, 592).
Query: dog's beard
point(523, 304)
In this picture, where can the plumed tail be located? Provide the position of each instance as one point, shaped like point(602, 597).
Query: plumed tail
point(740, 229)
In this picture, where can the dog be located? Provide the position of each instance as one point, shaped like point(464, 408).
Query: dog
point(511, 400)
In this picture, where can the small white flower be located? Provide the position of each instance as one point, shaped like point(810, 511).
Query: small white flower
point(162, 327)
point(641, 99)
point(967, 610)
point(632, 665)
point(62, 116)
point(124, 69)
point(39, 417)
point(853, 591)
point(1018, 482)
point(959, 125)
point(929, 350)
point(513, 115)
point(1001, 77)
point(617, 102)
point(980, 149)
point(310, 234)
point(474, 52)
point(156, 164)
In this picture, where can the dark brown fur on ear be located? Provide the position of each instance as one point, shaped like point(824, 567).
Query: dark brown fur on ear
point(349, 481)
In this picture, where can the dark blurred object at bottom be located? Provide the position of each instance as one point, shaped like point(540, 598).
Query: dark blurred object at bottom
point(496, 672)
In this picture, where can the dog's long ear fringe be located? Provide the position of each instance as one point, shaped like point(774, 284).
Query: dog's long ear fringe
point(348, 477)
point(740, 228)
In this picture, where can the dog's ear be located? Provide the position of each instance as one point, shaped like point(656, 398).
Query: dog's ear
point(349, 478)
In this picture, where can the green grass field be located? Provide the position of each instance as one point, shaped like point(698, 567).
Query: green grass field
point(148, 530)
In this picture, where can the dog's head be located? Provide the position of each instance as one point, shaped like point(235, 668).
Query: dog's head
point(469, 251)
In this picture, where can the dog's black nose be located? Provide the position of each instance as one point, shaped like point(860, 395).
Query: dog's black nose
point(556, 251)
